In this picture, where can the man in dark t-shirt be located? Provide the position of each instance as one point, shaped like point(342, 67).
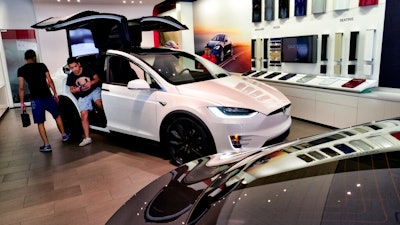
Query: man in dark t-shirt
point(84, 83)
point(39, 80)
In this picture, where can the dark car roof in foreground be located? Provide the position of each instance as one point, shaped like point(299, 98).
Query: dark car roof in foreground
point(348, 176)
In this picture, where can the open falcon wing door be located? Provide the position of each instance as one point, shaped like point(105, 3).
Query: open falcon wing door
point(112, 31)
point(109, 31)
point(152, 23)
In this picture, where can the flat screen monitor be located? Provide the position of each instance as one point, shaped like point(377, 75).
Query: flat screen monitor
point(80, 42)
point(301, 49)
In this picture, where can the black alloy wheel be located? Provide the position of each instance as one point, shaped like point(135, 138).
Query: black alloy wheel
point(186, 140)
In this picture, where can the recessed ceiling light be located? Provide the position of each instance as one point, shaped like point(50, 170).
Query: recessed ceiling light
point(124, 2)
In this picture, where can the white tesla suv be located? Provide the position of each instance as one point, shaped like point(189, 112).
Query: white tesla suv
point(190, 105)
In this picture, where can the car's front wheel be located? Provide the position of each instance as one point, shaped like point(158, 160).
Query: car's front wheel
point(187, 139)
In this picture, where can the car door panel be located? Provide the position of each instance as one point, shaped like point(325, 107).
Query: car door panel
point(131, 111)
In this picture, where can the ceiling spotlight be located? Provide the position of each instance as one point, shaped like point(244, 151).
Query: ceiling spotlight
point(132, 2)
point(124, 2)
point(140, 2)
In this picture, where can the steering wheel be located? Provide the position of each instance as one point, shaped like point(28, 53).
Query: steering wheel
point(181, 72)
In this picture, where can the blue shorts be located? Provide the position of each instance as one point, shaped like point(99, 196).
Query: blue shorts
point(85, 103)
point(39, 106)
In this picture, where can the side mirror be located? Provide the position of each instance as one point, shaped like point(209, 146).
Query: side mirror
point(138, 84)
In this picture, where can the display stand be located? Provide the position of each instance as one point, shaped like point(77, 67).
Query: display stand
point(336, 83)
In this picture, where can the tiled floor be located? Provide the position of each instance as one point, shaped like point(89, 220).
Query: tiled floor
point(78, 185)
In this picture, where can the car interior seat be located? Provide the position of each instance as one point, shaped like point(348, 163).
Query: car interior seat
point(120, 71)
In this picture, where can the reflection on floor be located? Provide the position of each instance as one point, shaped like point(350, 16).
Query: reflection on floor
point(78, 185)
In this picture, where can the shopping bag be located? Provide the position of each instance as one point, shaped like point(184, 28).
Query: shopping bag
point(26, 120)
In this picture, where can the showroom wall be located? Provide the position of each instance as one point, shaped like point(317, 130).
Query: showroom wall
point(13, 15)
point(344, 80)
point(348, 37)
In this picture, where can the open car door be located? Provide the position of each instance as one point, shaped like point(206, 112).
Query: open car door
point(111, 31)
point(152, 23)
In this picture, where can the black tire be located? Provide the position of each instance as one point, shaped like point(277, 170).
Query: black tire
point(70, 117)
point(278, 139)
point(187, 139)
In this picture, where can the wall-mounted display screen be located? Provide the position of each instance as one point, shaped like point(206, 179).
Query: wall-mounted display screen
point(256, 11)
point(80, 42)
point(300, 7)
point(301, 49)
point(283, 9)
point(269, 10)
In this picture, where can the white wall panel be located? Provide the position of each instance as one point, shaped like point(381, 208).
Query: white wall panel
point(341, 4)
point(369, 44)
point(319, 6)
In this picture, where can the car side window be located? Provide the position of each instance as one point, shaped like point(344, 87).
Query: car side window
point(119, 71)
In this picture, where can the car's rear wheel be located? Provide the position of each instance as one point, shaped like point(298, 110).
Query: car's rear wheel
point(187, 139)
point(70, 117)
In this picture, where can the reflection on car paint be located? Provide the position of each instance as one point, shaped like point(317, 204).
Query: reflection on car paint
point(360, 130)
point(380, 141)
point(316, 155)
point(329, 152)
point(305, 158)
point(208, 189)
point(361, 145)
point(344, 148)
point(396, 135)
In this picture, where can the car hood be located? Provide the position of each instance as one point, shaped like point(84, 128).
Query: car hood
point(186, 193)
point(234, 90)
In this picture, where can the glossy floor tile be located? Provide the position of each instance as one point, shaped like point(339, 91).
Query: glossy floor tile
point(78, 185)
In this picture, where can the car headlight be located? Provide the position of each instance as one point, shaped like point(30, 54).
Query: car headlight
point(217, 47)
point(225, 112)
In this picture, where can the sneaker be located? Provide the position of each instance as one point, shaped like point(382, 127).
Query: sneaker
point(45, 148)
point(65, 137)
point(85, 142)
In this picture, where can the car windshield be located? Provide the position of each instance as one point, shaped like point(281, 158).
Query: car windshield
point(219, 37)
point(178, 67)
